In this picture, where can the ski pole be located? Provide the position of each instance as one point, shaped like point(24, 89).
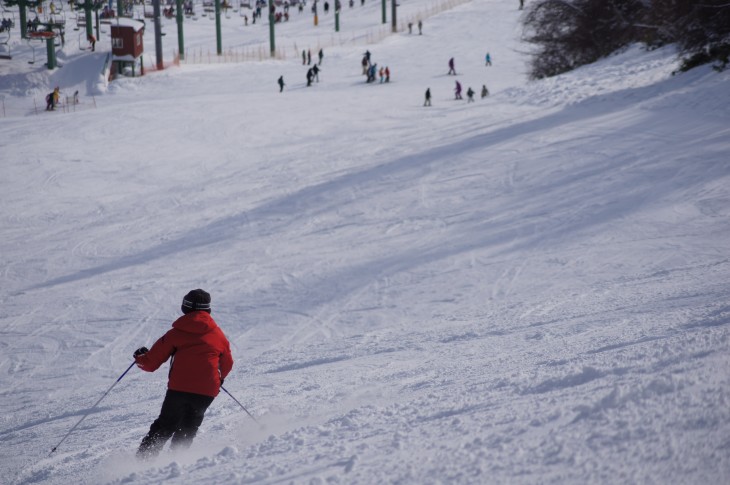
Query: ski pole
point(92, 408)
point(226, 391)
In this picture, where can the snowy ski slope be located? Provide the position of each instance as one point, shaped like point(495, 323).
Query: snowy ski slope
point(531, 288)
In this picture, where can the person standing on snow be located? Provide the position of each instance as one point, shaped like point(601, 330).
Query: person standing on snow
point(201, 360)
point(52, 99)
point(281, 83)
point(457, 90)
point(470, 95)
point(372, 72)
point(452, 70)
point(427, 102)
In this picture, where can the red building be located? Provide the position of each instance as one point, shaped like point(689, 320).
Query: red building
point(127, 46)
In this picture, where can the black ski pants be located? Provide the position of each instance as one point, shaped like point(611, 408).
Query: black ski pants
point(180, 417)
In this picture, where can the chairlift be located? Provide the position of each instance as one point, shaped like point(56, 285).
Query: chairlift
point(80, 22)
point(57, 19)
point(30, 43)
point(8, 16)
point(189, 8)
point(41, 36)
point(5, 51)
point(86, 46)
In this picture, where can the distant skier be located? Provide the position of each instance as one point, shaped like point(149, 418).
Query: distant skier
point(304, 57)
point(365, 65)
point(309, 57)
point(457, 90)
point(92, 41)
point(372, 72)
point(52, 99)
point(315, 72)
point(321, 56)
point(387, 74)
point(485, 91)
point(470, 95)
point(281, 83)
point(310, 76)
point(420, 27)
point(427, 102)
point(452, 70)
point(487, 60)
point(522, 4)
point(381, 73)
point(202, 360)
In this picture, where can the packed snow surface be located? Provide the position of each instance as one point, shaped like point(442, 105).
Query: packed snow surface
point(530, 288)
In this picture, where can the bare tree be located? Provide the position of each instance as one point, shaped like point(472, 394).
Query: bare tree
point(570, 33)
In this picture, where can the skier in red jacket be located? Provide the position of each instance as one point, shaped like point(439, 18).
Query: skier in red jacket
point(201, 360)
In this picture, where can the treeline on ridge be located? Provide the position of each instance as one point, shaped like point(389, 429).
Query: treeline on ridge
point(570, 33)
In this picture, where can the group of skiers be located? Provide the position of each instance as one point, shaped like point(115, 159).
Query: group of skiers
point(307, 56)
point(457, 93)
point(420, 27)
point(470, 92)
point(54, 97)
point(457, 89)
point(313, 74)
point(370, 69)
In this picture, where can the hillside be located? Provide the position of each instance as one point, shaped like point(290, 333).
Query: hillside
point(530, 288)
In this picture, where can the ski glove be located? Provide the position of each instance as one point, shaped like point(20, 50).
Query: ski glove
point(140, 351)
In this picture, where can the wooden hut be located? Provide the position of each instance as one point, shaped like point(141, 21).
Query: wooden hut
point(127, 45)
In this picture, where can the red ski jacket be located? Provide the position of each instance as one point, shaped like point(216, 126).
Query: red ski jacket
point(201, 355)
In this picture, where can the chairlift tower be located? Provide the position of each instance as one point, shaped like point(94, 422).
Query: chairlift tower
point(394, 3)
point(271, 29)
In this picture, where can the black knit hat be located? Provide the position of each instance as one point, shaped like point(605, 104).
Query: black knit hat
point(196, 300)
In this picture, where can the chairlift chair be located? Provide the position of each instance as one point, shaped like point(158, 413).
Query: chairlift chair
point(5, 49)
point(33, 47)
